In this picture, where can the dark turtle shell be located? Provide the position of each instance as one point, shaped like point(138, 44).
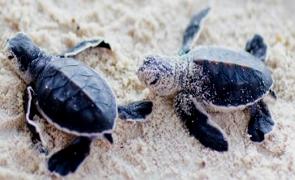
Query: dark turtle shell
point(75, 98)
point(231, 78)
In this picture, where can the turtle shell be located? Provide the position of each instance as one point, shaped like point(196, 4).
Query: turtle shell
point(230, 78)
point(75, 98)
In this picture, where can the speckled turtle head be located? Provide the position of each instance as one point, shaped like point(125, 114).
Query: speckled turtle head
point(23, 49)
point(158, 74)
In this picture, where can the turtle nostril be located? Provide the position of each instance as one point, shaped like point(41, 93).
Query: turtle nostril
point(149, 60)
point(140, 70)
point(157, 77)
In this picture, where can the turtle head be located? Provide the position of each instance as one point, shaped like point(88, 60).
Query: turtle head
point(23, 49)
point(158, 74)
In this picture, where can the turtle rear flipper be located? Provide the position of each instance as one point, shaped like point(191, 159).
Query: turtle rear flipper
point(260, 122)
point(192, 30)
point(257, 47)
point(135, 111)
point(199, 124)
point(83, 45)
point(68, 159)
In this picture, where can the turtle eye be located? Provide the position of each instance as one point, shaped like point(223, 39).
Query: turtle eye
point(153, 82)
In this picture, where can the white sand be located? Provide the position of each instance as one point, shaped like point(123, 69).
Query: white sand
point(160, 148)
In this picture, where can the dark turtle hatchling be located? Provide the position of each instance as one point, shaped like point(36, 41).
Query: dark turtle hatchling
point(210, 77)
point(70, 96)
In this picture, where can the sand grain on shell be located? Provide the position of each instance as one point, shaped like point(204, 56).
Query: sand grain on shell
point(159, 148)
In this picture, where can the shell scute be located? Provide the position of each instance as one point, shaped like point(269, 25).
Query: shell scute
point(232, 82)
point(69, 100)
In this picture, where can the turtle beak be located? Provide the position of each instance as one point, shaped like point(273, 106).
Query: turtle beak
point(140, 74)
point(8, 51)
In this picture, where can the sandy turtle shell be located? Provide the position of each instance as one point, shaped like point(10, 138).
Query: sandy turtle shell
point(228, 77)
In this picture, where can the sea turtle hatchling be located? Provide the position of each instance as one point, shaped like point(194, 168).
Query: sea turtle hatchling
point(71, 96)
point(213, 78)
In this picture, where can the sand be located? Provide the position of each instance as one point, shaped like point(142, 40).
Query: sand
point(159, 148)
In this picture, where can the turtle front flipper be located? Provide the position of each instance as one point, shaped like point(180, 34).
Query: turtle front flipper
point(68, 159)
point(257, 47)
point(198, 123)
point(83, 45)
point(260, 122)
point(135, 111)
point(192, 30)
point(31, 110)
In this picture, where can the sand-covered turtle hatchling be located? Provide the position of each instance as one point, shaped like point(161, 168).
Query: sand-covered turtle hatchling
point(211, 77)
point(72, 97)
